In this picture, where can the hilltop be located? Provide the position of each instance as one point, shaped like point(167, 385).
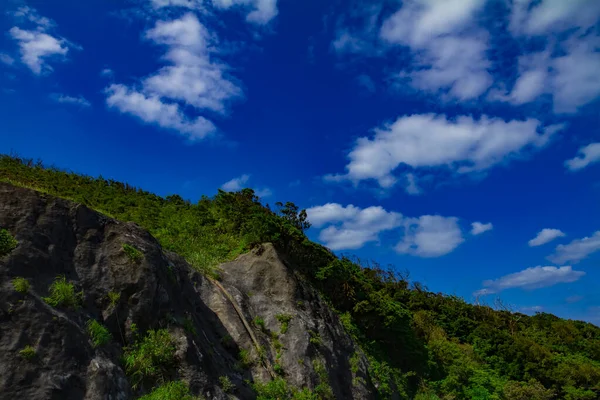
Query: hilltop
point(283, 317)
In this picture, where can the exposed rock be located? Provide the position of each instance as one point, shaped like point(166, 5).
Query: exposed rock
point(58, 237)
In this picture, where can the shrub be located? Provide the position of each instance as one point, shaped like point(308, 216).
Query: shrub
point(258, 321)
point(315, 338)
point(21, 284)
point(28, 353)
point(63, 294)
point(133, 254)
point(98, 333)
point(278, 368)
point(7, 242)
point(245, 359)
point(114, 298)
point(149, 357)
point(176, 390)
point(284, 320)
point(188, 325)
point(226, 384)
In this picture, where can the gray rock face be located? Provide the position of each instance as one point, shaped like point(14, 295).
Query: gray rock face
point(58, 237)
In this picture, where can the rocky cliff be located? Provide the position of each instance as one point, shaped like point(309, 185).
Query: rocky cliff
point(259, 323)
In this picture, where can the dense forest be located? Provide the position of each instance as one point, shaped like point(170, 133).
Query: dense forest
point(421, 345)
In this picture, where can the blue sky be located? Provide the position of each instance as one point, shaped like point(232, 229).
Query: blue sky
point(459, 140)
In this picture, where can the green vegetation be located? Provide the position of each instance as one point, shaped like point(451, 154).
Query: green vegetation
point(133, 254)
point(284, 320)
point(7, 242)
point(245, 359)
point(114, 298)
point(188, 325)
point(98, 333)
point(258, 321)
point(226, 385)
point(20, 284)
point(28, 353)
point(278, 389)
point(175, 390)
point(150, 357)
point(315, 338)
point(419, 344)
point(62, 293)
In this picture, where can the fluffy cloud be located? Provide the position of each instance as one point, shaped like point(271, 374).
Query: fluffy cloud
point(191, 77)
point(262, 11)
point(448, 48)
point(477, 228)
point(449, 52)
point(531, 278)
point(425, 141)
point(152, 110)
point(351, 227)
point(544, 236)
point(236, 183)
point(63, 98)
point(577, 250)
point(37, 46)
point(586, 155)
point(430, 236)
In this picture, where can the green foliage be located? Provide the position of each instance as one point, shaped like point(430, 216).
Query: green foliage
point(114, 298)
point(98, 333)
point(278, 389)
point(62, 293)
point(7, 242)
point(245, 359)
point(150, 357)
point(20, 284)
point(176, 390)
point(188, 325)
point(132, 253)
point(258, 321)
point(226, 385)
point(315, 338)
point(284, 320)
point(28, 353)
point(278, 368)
point(412, 338)
point(532, 390)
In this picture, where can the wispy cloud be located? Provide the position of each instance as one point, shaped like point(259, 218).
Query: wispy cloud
point(577, 250)
point(587, 155)
point(477, 228)
point(6, 59)
point(544, 236)
point(66, 99)
point(38, 46)
point(107, 72)
point(531, 278)
point(261, 11)
point(241, 182)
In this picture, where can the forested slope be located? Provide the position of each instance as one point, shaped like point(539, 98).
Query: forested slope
point(419, 344)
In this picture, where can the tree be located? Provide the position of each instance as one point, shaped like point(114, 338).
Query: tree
point(289, 211)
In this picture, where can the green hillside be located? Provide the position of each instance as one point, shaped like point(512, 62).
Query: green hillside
point(421, 345)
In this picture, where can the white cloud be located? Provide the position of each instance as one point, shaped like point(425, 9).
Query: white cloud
point(544, 236)
point(262, 11)
point(531, 278)
point(577, 250)
point(477, 228)
point(6, 59)
point(236, 184)
point(449, 51)
point(351, 227)
point(107, 72)
point(529, 17)
point(32, 15)
point(462, 145)
point(37, 47)
point(192, 77)
point(411, 185)
point(241, 182)
point(63, 98)
point(586, 155)
point(151, 109)
point(430, 236)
